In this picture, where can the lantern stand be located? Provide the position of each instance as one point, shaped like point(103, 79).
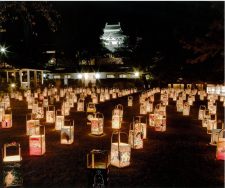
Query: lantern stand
point(98, 168)
point(120, 151)
point(11, 166)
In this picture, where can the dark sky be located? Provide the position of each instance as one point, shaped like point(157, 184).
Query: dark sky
point(158, 23)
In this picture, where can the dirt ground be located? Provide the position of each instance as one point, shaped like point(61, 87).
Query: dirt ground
point(179, 157)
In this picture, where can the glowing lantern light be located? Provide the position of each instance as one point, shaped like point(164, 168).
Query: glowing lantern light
point(201, 112)
point(186, 109)
point(220, 151)
point(11, 166)
point(7, 119)
point(130, 100)
point(66, 109)
point(59, 122)
point(117, 117)
point(45, 103)
point(102, 97)
point(143, 109)
point(2, 113)
point(97, 123)
point(160, 123)
point(120, 151)
point(142, 120)
point(179, 105)
point(114, 95)
point(91, 107)
point(80, 105)
point(50, 114)
point(32, 125)
point(152, 119)
point(95, 98)
point(136, 135)
point(212, 124)
point(37, 142)
point(67, 132)
point(217, 133)
point(98, 168)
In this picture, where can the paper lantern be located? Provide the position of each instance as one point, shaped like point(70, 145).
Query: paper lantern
point(142, 120)
point(201, 112)
point(65, 109)
point(120, 151)
point(59, 121)
point(7, 119)
point(2, 113)
point(37, 142)
point(179, 105)
point(136, 135)
point(212, 124)
point(67, 132)
point(114, 95)
point(152, 119)
point(95, 99)
point(143, 109)
point(160, 123)
point(98, 168)
point(97, 123)
point(50, 114)
point(11, 166)
point(32, 125)
point(220, 151)
point(217, 134)
point(107, 96)
point(91, 107)
point(80, 105)
point(186, 109)
point(130, 101)
point(149, 106)
point(102, 97)
point(117, 117)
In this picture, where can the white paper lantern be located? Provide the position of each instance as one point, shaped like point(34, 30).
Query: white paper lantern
point(67, 132)
point(130, 101)
point(201, 112)
point(120, 151)
point(97, 123)
point(186, 109)
point(59, 122)
point(80, 105)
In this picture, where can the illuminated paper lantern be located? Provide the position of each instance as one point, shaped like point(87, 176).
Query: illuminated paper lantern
point(102, 97)
point(95, 99)
point(201, 112)
point(190, 101)
point(107, 96)
point(186, 109)
point(179, 105)
point(7, 119)
point(2, 113)
point(80, 105)
point(212, 124)
point(143, 109)
point(65, 109)
point(67, 132)
point(160, 123)
point(59, 121)
point(50, 114)
point(130, 101)
point(152, 119)
point(32, 125)
point(114, 95)
point(11, 166)
point(136, 135)
point(91, 107)
point(98, 168)
point(149, 106)
point(220, 151)
point(120, 151)
point(117, 117)
point(37, 142)
point(217, 134)
point(142, 120)
point(97, 123)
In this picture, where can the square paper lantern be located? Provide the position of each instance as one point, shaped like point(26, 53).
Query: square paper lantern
point(212, 124)
point(120, 151)
point(130, 101)
point(220, 151)
point(98, 168)
point(80, 105)
point(32, 125)
point(40, 112)
point(59, 121)
point(97, 123)
point(201, 112)
point(215, 136)
point(91, 107)
point(102, 97)
point(114, 95)
point(149, 106)
point(50, 114)
point(67, 132)
point(152, 119)
point(7, 119)
point(179, 105)
point(37, 143)
point(2, 113)
point(142, 120)
point(11, 166)
point(143, 108)
point(136, 135)
point(117, 116)
point(186, 109)
point(107, 96)
point(65, 109)
point(160, 123)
